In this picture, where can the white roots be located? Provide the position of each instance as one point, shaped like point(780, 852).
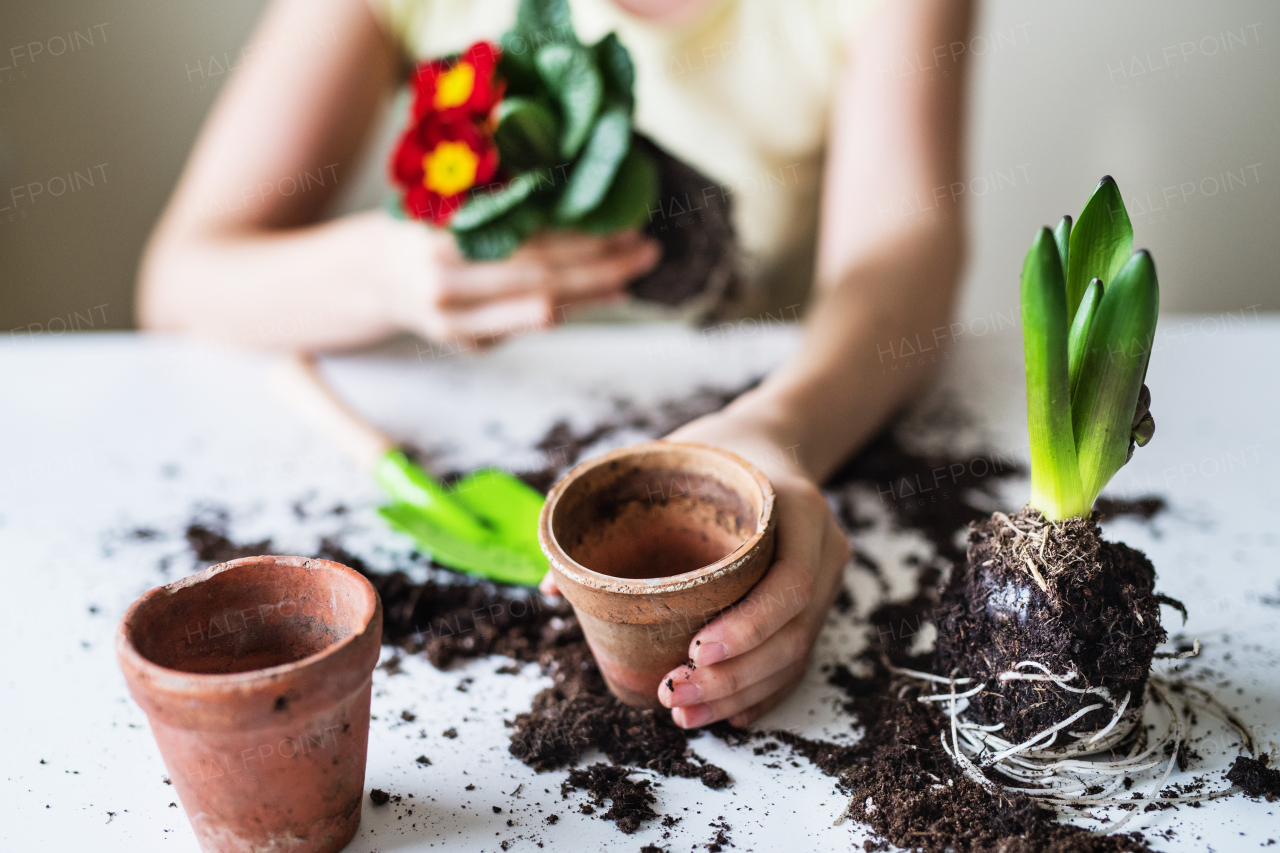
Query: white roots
point(1095, 769)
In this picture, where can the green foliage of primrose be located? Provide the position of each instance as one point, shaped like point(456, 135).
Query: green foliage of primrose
point(564, 135)
point(1089, 308)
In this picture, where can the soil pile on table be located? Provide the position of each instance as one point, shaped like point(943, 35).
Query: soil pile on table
point(630, 801)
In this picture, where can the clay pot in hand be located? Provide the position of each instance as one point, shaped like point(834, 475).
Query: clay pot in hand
point(255, 676)
point(649, 543)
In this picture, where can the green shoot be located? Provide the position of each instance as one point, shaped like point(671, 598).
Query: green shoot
point(1088, 326)
point(1111, 376)
point(1062, 239)
point(1078, 337)
point(1055, 473)
point(1101, 240)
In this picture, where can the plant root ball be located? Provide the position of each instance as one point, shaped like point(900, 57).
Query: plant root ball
point(1056, 594)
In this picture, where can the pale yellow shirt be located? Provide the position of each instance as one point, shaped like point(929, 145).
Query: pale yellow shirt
point(741, 92)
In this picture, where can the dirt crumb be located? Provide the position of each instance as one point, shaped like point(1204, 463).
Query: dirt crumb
point(1255, 778)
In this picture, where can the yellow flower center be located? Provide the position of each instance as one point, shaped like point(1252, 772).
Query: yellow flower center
point(450, 168)
point(454, 86)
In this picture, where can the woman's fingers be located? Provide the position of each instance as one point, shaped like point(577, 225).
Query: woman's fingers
point(748, 658)
point(714, 682)
point(783, 592)
point(607, 275)
point(589, 268)
point(490, 322)
point(559, 248)
point(548, 585)
point(773, 687)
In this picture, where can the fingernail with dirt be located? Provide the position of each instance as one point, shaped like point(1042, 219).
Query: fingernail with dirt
point(684, 693)
point(705, 654)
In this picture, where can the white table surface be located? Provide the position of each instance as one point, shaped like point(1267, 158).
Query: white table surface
point(104, 433)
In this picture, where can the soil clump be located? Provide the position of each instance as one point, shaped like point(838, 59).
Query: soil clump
point(1056, 594)
point(1255, 778)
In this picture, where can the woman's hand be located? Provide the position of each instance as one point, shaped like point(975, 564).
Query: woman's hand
point(748, 658)
point(753, 654)
point(440, 295)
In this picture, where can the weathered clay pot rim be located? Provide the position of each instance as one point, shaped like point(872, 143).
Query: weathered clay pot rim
point(167, 679)
point(652, 586)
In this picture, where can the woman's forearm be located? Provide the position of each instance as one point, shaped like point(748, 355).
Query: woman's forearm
point(319, 287)
point(846, 379)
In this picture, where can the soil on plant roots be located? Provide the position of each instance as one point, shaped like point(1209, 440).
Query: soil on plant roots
point(1068, 600)
point(699, 251)
point(903, 785)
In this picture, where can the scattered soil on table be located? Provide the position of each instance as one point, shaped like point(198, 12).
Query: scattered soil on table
point(934, 496)
point(456, 619)
point(720, 840)
point(1255, 778)
point(630, 802)
point(1145, 508)
point(207, 538)
point(562, 446)
point(1089, 608)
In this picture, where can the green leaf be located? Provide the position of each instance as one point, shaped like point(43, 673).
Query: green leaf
point(630, 197)
point(1055, 476)
point(1062, 238)
point(1111, 376)
point(1101, 241)
point(528, 134)
point(515, 66)
point(492, 241)
point(618, 71)
point(497, 239)
point(545, 22)
point(1078, 337)
point(594, 172)
point(538, 23)
point(486, 558)
point(571, 74)
point(485, 207)
point(408, 484)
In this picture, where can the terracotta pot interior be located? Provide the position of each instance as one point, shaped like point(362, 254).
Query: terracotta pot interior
point(657, 515)
point(250, 617)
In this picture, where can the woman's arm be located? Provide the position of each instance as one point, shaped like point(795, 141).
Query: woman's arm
point(895, 137)
point(895, 144)
point(238, 255)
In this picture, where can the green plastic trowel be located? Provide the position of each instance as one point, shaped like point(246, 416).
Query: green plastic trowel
point(485, 524)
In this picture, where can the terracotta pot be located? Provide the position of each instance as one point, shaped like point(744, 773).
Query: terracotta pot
point(255, 676)
point(649, 543)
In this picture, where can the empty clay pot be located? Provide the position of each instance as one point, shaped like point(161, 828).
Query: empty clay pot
point(649, 543)
point(255, 676)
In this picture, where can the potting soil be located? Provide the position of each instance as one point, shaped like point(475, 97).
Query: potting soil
point(902, 785)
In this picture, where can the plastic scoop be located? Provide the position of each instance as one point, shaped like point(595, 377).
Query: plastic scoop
point(485, 524)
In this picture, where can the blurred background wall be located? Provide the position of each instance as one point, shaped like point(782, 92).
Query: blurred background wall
point(1180, 101)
